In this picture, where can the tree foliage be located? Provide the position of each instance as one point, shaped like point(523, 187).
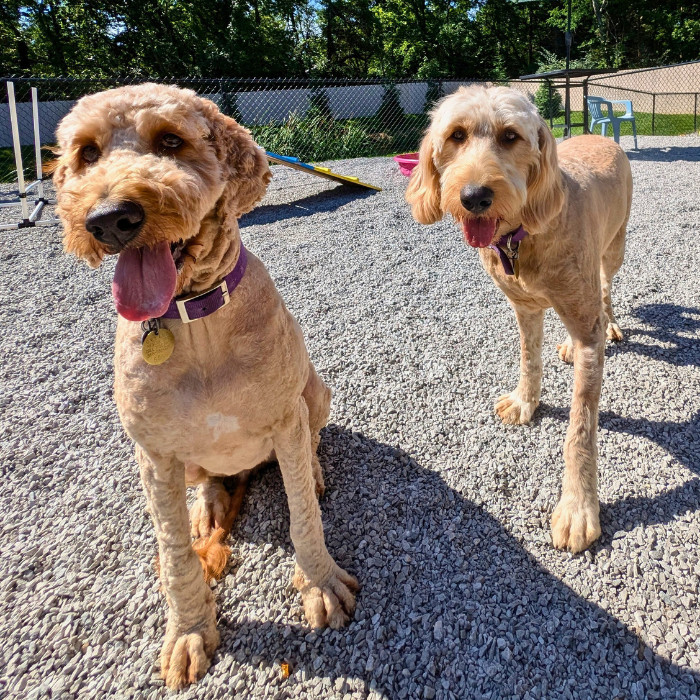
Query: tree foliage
point(487, 39)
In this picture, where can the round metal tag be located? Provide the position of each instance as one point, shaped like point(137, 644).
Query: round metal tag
point(156, 348)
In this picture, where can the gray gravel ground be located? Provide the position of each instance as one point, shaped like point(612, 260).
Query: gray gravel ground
point(440, 510)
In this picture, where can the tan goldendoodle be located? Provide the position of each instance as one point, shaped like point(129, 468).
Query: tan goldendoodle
point(550, 228)
point(211, 373)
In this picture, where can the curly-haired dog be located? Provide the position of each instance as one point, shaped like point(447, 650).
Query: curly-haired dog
point(159, 177)
point(550, 228)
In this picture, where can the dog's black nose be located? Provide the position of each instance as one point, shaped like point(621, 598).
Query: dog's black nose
point(476, 199)
point(115, 223)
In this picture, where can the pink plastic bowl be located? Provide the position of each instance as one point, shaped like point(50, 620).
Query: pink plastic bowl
point(407, 161)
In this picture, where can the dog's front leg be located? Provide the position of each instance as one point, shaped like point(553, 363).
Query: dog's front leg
point(517, 407)
point(327, 591)
point(575, 521)
point(191, 636)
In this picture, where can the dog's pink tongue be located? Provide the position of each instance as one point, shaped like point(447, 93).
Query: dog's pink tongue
point(479, 232)
point(144, 282)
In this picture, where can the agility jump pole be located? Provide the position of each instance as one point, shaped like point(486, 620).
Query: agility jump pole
point(16, 147)
point(28, 220)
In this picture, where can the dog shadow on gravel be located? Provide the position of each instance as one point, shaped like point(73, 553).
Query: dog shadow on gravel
point(450, 601)
point(689, 154)
point(321, 202)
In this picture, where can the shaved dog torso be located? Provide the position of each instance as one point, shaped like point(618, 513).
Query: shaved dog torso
point(220, 401)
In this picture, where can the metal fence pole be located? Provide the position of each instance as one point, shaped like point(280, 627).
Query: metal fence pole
point(695, 114)
point(585, 106)
point(653, 113)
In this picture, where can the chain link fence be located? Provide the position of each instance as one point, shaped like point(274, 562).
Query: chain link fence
point(317, 120)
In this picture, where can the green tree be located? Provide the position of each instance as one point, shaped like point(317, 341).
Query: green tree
point(319, 106)
point(390, 112)
point(548, 101)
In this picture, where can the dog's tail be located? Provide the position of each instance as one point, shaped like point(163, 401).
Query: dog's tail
point(212, 551)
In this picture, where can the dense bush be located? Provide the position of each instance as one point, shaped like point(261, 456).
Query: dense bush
point(228, 104)
point(433, 95)
point(390, 112)
point(319, 106)
point(312, 140)
point(548, 103)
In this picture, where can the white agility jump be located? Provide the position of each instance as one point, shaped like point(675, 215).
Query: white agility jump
point(33, 218)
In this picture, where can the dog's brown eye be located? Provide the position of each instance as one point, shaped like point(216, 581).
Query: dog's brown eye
point(510, 136)
point(90, 153)
point(458, 135)
point(170, 141)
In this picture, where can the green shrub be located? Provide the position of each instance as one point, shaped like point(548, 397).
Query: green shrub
point(390, 112)
point(433, 94)
point(319, 106)
point(548, 104)
point(228, 104)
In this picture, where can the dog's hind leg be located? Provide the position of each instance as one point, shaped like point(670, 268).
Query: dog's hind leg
point(191, 635)
point(610, 264)
point(318, 402)
point(517, 407)
point(575, 521)
point(212, 516)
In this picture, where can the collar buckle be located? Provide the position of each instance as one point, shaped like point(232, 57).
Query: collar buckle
point(181, 303)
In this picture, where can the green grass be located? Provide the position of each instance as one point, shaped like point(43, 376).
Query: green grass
point(8, 172)
point(664, 124)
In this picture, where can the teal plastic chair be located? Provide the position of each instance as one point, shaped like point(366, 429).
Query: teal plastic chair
point(595, 109)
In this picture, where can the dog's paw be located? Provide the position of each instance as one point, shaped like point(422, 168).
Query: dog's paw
point(512, 410)
point(566, 351)
point(575, 525)
point(210, 509)
point(185, 657)
point(331, 603)
point(614, 333)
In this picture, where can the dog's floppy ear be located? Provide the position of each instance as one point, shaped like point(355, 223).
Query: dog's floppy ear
point(56, 168)
point(423, 192)
point(545, 196)
point(245, 165)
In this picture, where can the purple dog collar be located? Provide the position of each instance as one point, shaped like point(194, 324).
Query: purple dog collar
point(507, 249)
point(201, 305)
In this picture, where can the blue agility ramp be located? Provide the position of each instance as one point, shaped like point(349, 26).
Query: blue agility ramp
point(292, 162)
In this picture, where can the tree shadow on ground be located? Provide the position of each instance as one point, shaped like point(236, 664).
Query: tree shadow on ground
point(321, 202)
point(452, 606)
point(690, 154)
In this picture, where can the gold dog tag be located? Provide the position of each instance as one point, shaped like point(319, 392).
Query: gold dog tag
point(157, 346)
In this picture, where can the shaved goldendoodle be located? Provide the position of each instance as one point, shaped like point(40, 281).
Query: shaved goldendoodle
point(211, 373)
point(550, 228)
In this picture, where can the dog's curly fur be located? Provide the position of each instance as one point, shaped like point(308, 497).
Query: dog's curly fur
point(239, 388)
point(574, 202)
